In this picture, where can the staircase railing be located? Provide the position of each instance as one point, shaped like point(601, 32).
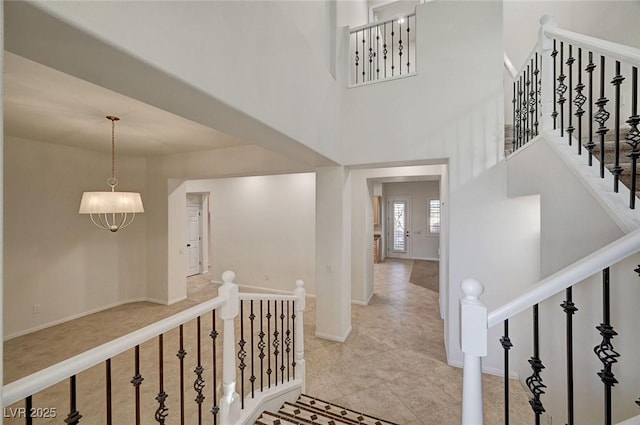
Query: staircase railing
point(562, 88)
point(275, 334)
point(475, 321)
point(567, 84)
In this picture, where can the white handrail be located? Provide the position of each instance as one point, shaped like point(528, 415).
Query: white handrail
point(627, 54)
point(569, 276)
point(377, 23)
point(248, 296)
point(509, 66)
point(22, 388)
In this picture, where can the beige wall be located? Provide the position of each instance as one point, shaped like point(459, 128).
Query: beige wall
point(54, 257)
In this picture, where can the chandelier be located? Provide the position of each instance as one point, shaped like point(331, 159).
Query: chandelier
point(111, 210)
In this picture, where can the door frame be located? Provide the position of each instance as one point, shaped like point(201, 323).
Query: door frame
point(198, 207)
point(389, 220)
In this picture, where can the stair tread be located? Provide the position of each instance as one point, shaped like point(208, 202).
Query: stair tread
point(340, 411)
point(312, 411)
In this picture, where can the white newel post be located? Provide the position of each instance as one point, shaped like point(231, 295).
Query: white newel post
point(546, 48)
point(473, 342)
point(299, 292)
point(230, 402)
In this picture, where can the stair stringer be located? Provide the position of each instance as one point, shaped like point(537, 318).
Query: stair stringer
point(579, 211)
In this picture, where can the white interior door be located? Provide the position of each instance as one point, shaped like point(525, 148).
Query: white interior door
point(194, 252)
point(398, 220)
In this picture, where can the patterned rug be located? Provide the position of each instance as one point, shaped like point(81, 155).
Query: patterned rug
point(426, 273)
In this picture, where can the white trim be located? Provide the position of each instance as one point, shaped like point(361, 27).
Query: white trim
point(426, 259)
point(333, 337)
point(615, 204)
point(488, 370)
point(358, 302)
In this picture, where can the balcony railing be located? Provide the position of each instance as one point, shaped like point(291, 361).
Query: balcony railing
point(266, 362)
point(383, 50)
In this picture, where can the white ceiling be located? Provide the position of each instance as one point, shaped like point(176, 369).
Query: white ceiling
point(46, 105)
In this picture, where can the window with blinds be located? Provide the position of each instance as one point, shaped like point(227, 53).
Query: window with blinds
point(434, 216)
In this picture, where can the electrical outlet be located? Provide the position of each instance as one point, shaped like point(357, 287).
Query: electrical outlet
point(36, 308)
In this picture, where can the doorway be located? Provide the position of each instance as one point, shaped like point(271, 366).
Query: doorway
point(194, 239)
point(398, 226)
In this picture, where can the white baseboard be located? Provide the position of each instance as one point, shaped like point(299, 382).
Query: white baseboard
point(78, 316)
point(426, 259)
point(333, 337)
point(488, 370)
point(358, 302)
point(263, 289)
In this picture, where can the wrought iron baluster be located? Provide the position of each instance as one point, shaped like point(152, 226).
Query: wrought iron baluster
point(617, 169)
point(181, 355)
point(287, 342)
point(364, 72)
point(605, 352)
point(214, 337)
point(282, 366)
point(293, 325)
point(137, 381)
point(393, 66)
point(579, 101)
point(519, 112)
point(28, 406)
point(276, 342)
point(525, 104)
point(198, 384)
point(400, 47)
point(357, 57)
point(570, 61)
point(591, 143)
point(514, 129)
point(73, 418)
point(554, 114)
point(377, 52)
point(261, 345)
point(107, 372)
point(569, 308)
point(633, 137)
point(269, 371)
point(252, 378)
point(408, 46)
point(506, 346)
point(534, 382)
point(371, 56)
point(242, 354)
point(384, 49)
point(162, 411)
point(536, 73)
point(602, 116)
point(532, 100)
point(562, 89)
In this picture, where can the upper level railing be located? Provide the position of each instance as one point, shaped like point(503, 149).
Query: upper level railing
point(270, 351)
point(567, 85)
point(383, 50)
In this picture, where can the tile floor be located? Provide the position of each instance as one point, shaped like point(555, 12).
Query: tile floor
point(391, 366)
